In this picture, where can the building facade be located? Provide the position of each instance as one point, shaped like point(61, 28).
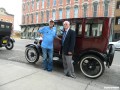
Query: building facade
point(117, 21)
point(6, 17)
point(37, 12)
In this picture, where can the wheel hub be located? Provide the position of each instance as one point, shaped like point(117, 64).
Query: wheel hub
point(32, 54)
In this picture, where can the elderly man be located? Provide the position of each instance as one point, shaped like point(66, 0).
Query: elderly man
point(48, 34)
point(68, 43)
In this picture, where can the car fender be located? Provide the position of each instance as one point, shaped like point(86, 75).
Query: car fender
point(102, 56)
point(11, 39)
point(110, 54)
point(37, 47)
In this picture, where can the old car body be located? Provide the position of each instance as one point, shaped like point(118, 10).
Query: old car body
point(91, 48)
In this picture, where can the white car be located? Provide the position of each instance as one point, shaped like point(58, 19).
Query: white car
point(116, 44)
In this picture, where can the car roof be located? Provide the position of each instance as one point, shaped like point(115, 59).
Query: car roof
point(77, 19)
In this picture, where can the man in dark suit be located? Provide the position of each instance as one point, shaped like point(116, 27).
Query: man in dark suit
point(68, 43)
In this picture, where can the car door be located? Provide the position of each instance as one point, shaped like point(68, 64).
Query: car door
point(57, 42)
point(94, 37)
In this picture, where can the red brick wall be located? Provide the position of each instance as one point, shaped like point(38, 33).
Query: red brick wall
point(7, 18)
point(100, 12)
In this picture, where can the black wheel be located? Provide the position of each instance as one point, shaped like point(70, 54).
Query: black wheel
point(9, 45)
point(92, 66)
point(31, 55)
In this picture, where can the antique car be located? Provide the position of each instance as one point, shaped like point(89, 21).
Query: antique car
point(92, 51)
point(5, 33)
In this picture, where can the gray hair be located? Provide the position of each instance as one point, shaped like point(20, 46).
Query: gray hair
point(66, 22)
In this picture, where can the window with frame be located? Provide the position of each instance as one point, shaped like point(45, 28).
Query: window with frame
point(76, 0)
point(60, 2)
point(117, 20)
point(32, 18)
point(23, 19)
point(32, 4)
point(85, 10)
point(93, 29)
point(118, 5)
point(95, 7)
point(84, 0)
point(54, 2)
point(76, 11)
point(67, 12)
point(68, 1)
point(48, 3)
point(42, 17)
point(28, 6)
point(36, 17)
point(37, 3)
point(23, 7)
point(54, 14)
point(47, 15)
point(106, 7)
point(60, 13)
point(42, 3)
point(116, 35)
point(27, 19)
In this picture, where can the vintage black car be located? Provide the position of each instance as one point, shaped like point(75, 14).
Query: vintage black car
point(5, 33)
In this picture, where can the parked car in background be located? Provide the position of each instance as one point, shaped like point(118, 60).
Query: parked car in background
point(5, 33)
point(116, 44)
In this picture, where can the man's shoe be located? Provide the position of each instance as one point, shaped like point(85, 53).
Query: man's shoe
point(44, 68)
point(49, 70)
point(67, 75)
point(73, 76)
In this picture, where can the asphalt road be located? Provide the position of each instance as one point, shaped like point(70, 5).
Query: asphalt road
point(111, 75)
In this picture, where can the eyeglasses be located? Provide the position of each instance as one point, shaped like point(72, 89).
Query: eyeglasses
point(65, 24)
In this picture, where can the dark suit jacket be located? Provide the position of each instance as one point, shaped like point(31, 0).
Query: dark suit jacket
point(69, 43)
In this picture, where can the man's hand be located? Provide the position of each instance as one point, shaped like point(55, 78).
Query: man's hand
point(58, 38)
point(69, 53)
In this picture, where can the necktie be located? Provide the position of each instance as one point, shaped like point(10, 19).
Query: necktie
point(63, 38)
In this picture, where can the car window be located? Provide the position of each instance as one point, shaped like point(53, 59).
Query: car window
point(7, 26)
point(73, 26)
point(93, 29)
point(2, 26)
point(80, 30)
point(97, 30)
point(59, 29)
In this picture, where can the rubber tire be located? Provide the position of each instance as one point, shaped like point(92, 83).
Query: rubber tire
point(26, 55)
point(10, 47)
point(100, 62)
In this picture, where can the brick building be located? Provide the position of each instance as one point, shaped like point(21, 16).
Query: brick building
point(6, 17)
point(117, 21)
point(37, 12)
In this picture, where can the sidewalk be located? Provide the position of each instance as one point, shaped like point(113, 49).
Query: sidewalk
point(18, 76)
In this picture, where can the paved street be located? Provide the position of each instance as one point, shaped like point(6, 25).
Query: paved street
point(23, 75)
